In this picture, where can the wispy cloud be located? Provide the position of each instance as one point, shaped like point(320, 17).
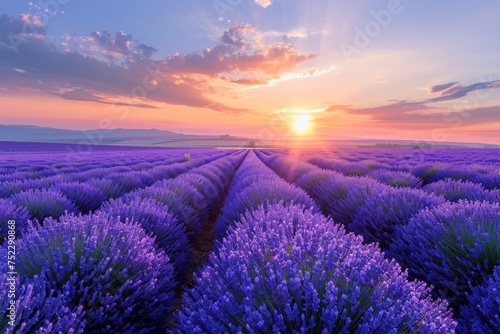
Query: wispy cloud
point(86, 95)
point(118, 43)
point(457, 91)
point(438, 88)
point(423, 113)
point(103, 67)
point(264, 3)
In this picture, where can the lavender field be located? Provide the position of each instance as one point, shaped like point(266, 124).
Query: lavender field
point(345, 240)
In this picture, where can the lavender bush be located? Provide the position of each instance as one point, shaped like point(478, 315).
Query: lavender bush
point(452, 246)
point(317, 183)
point(205, 186)
point(155, 219)
point(128, 180)
point(112, 270)
point(396, 178)
point(482, 312)
point(109, 188)
point(258, 194)
point(36, 309)
point(339, 196)
point(179, 201)
point(86, 197)
point(43, 203)
point(292, 168)
point(345, 167)
point(288, 270)
point(455, 190)
point(491, 181)
point(428, 172)
point(387, 209)
point(255, 184)
point(10, 211)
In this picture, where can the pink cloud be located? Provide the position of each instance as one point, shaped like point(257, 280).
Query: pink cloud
point(263, 3)
point(31, 19)
point(241, 53)
point(116, 66)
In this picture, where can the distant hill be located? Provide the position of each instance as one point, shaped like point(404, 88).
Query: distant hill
point(52, 135)
point(163, 138)
point(122, 137)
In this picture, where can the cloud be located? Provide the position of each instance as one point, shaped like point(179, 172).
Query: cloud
point(420, 114)
point(147, 51)
point(31, 19)
point(104, 67)
point(86, 95)
point(457, 91)
point(12, 29)
point(263, 3)
point(438, 88)
point(241, 51)
point(389, 112)
point(250, 82)
point(421, 118)
point(117, 43)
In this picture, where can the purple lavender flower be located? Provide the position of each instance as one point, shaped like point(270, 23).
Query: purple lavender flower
point(43, 203)
point(10, 211)
point(157, 221)
point(128, 180)
point(85, 196)
point(428, 171)
point(396, 178)
point(36, 310)
point(451, 246)
point(109, 188)
point(482, 312)
point(112, 270)
point(387, 209)
point(455, 190)
point(344, 167)
point(491, 181)
point(292, 167)
point(256, 184)
point(257, 194)
point(283, 269)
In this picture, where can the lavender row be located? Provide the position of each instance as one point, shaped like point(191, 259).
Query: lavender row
point(401, 158)
point(452, 183)
point(453, 246)
point(48, 164)
point(125, 261)
point(398, 172)
point(255, 184)
point(143, 172)
point(284, 269)
point(84, 196)
point(174, 211)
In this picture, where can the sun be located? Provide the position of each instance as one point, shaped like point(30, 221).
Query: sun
point(302, 124)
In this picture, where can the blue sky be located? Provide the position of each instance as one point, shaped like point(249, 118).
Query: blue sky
point(344, 63)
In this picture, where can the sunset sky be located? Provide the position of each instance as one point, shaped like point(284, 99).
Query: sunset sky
point(423, 70)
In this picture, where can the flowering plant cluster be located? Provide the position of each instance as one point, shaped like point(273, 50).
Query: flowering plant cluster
point(256, 184)
point(286, 269)
point(452, 246)
point(482, 312)
point(107, 274)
